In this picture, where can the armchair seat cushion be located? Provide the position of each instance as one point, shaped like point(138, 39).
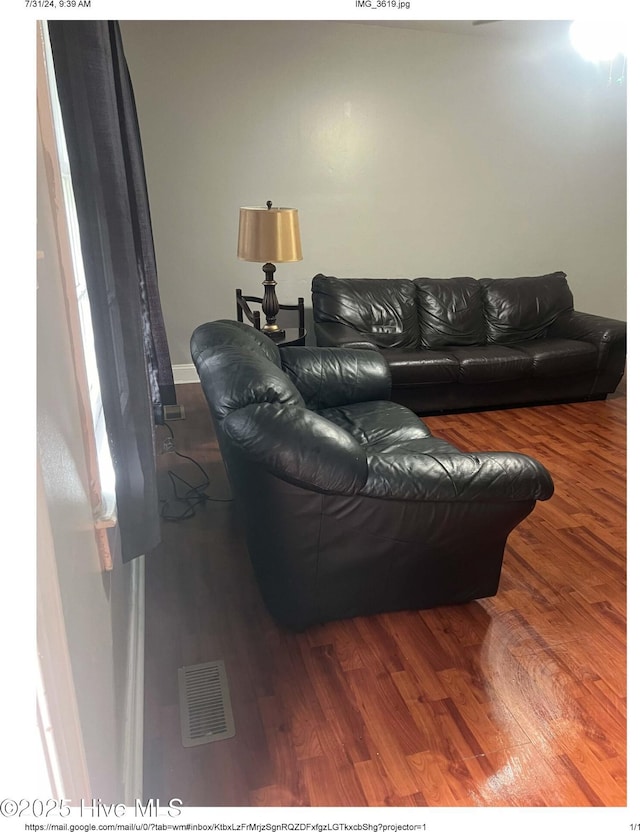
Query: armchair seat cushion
point(384, 426)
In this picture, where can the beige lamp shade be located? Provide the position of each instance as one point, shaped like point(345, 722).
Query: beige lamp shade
point(269, 235)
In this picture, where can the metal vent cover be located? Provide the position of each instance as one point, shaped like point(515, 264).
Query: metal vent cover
point(205, 704)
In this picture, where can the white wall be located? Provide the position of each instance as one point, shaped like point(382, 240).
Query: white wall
point(407, 153)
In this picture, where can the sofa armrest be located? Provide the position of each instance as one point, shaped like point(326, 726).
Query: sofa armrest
point(299, 446)
point(330, 334)
point(608, 335)
point(584, 326)
point(457, 477)
point(329, 377)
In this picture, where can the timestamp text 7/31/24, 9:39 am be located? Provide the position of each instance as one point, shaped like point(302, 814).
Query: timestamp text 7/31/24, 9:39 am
point(57, 4)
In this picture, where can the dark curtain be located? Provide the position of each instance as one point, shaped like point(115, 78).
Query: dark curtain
point(107, 170)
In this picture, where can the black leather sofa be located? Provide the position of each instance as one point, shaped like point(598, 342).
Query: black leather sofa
point(460, 343)
point(349, 505)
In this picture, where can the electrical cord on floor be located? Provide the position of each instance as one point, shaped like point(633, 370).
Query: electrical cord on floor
point(193, 496)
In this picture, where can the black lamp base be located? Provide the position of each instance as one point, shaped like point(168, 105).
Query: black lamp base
point(270, 305)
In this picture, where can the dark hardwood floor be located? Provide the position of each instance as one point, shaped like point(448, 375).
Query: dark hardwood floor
point(516, 700)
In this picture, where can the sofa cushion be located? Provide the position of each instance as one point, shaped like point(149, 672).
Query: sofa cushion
point(523, 308)
point(383, 308)
point(411, 367)
point(554, 357)
point(491, 363)
point(450, 311)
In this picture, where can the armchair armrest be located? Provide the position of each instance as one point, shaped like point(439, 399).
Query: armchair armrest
point(486, 477)
point(298, 446)
point(331, 334)
point(329, 377)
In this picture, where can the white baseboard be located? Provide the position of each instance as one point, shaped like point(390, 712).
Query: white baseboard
point(184, 373)
point(133, 745)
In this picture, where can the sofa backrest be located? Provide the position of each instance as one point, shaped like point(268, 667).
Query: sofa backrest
point(440, 312)
point(523, 308)
point(450, 311)
point(383, 308)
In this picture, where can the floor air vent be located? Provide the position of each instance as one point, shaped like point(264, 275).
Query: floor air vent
point(205, 704)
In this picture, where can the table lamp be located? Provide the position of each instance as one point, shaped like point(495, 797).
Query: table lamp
point(269, 235)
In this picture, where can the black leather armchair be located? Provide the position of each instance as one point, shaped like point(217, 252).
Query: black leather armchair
point(350, 505)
